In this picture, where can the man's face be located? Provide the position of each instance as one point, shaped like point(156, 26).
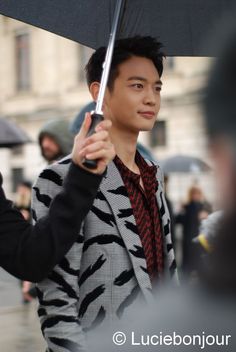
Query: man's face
point(134, 102)
point(50, 149)
point(23, 190)
point(197, 196)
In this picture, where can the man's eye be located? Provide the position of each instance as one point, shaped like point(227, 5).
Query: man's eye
point(137, 85)
point(157, 88)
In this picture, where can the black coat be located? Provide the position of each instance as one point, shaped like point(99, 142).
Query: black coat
point(30, 252)
point(189, 218)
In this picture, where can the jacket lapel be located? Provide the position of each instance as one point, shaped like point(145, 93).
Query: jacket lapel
point(115, 192)
point(170, 263)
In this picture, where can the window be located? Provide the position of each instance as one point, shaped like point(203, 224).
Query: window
point(17, 177)
point(22, 61)
point(158, 134)
point(84, 56)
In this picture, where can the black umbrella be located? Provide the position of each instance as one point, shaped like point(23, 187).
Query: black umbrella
point(11, 135)
point(184, 164)
point(182, 25)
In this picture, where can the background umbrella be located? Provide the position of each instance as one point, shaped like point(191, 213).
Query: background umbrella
point(11, 135)
point(182, 25)
point(184, 163)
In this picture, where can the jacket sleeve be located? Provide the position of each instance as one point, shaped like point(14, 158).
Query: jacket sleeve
point(30, 252)
point(59, 293)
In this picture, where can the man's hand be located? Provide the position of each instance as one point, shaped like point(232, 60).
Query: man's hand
point(96, 147)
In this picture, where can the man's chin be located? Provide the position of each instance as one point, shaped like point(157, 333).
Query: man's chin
point(147, 127)
point(50, 157)
point(141, 127)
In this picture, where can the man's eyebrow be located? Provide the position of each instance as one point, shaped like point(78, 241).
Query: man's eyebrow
point(138, 78)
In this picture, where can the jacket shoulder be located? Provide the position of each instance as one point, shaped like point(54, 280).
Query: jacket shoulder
point(61, 166)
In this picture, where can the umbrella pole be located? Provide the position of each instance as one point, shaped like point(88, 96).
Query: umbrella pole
point(108, 58)
point(97, 115)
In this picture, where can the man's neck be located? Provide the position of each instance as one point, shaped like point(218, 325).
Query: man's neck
point(125, 145)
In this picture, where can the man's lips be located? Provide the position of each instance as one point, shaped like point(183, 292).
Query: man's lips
point(147, 114)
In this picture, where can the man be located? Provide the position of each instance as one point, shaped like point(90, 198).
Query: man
point(201, 317)
point(124, 246)
point(31, 252)
point(55, 140)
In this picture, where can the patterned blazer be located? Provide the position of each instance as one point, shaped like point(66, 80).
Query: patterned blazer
point(105, 271)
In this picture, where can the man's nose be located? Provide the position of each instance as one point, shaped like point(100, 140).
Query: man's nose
point(150, 97)
point(45, 142)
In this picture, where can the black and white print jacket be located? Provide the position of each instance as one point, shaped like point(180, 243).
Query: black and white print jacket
point(105, 271)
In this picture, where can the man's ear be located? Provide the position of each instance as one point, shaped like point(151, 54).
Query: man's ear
point(94, 90)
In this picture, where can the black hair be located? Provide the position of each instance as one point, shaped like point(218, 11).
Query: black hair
point(124, 49)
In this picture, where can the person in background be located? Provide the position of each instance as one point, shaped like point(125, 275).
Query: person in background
point(30, 252)
point(23, 199)
point(208, 230)
point(190, 218)
point(203, 244)
point(55, 140)
point(23, 204)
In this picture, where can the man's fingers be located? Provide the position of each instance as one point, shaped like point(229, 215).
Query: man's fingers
point(103, 125)
point(85, 125)
point(100, 154)
point(94, 147)
point(98, 136)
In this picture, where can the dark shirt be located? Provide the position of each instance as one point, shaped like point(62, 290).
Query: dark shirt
point(145, 210)
point(30, 252)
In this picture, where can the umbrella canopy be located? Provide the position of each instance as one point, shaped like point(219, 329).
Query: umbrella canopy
point(181, 25)
point(184, 163)
point(11, 135)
